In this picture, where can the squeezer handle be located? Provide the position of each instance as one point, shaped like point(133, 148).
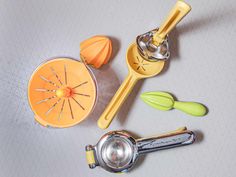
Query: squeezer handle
point(122, 93)
point(175, 16)
point(180, 137)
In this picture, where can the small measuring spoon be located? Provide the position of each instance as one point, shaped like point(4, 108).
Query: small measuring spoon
point(117, 151)
point(139, 66)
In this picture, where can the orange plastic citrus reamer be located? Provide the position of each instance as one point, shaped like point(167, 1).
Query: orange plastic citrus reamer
point(61, 92)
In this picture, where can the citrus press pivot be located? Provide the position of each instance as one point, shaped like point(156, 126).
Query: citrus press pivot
point(117, 151)
point(153, 45)
point(148, 50)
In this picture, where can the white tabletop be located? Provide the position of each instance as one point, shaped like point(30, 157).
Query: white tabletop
point(202, 68)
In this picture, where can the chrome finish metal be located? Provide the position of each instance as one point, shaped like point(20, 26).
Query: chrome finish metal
point(117, 151)
point(111, 147)
point(149, 50)
point(165, 142)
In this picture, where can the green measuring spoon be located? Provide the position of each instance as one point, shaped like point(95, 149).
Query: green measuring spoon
point(165, 101)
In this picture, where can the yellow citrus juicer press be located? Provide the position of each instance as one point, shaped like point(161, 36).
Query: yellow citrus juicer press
point(62, 92)
point(145, 58)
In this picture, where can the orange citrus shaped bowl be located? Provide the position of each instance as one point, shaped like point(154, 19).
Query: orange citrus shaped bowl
point(62, 92)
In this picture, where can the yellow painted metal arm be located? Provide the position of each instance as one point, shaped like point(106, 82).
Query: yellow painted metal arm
point(175, 16)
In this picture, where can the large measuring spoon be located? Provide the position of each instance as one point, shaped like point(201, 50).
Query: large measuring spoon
point(139, 68)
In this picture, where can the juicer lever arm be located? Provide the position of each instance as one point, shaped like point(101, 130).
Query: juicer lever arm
point(116, 102)
point(175, 16)
point(176, 138)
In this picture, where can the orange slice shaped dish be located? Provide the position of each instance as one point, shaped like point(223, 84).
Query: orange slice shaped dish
point(62, 92)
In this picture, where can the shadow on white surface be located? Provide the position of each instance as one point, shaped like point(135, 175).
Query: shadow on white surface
point(199, 136)
point(107, 83)
point(128, 104)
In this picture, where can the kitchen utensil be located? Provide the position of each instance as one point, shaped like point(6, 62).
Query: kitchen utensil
point(117, 151)
point(165, 101)
point(149, 51)
point(139, 66)
point(153, 45)
point(62, 92)
point(138, 69)
point(96, 50)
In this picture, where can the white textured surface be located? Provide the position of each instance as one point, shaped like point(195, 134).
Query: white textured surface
point(202, 68)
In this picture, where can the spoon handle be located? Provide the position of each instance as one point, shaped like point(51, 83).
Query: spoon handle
point(175, 16)
point(117, 100)
point(192, 108)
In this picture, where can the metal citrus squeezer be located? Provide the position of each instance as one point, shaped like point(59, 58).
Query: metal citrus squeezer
point(145, 58)
point(117, 151)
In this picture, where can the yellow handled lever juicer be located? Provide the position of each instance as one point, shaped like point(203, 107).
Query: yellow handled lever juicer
point(145, 58)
